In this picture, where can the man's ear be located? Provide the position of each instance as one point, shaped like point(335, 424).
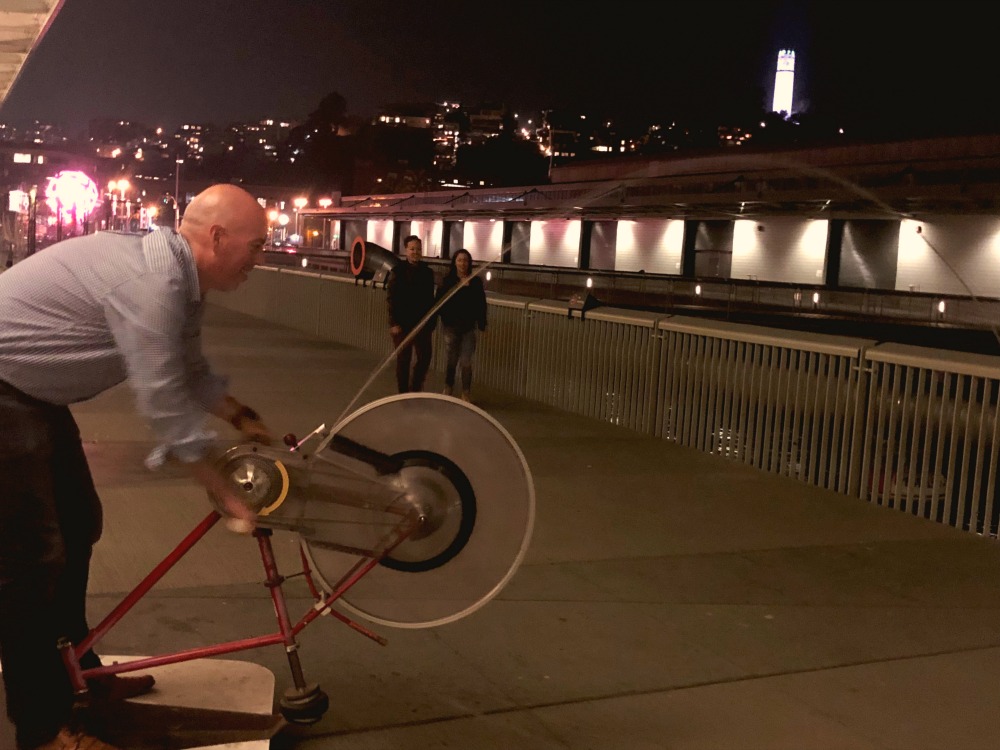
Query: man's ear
point(215, 233)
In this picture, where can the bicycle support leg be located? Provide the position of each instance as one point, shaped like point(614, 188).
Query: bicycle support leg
point(273, 581)
point(304, 703)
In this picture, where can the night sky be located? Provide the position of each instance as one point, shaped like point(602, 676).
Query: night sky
point(163, 63)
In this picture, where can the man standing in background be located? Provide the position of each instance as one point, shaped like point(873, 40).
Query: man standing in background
point(410, 295)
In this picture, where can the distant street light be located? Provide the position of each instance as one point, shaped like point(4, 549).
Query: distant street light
point(299, 203)
point(177, 194)
point(117, 189)
point(283, 223)
point(272, 216)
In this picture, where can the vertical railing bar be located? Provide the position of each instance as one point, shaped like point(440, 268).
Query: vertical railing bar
point(764, 413)
point(990, 528)
point(678, 343)
point(840, 428)
point(963, 504)
point(861, 384)
point(882, 409)
point(917, 493)
point(900, 390)
point(737, 436)
point(803, 424)
point(979, 463)
point(950, 499)
point(725, 421)
point(781, 440)
point(690, 347)
point(626, 369)
point(660, 367)
point(651, 401)
point(704, 390)
point(938, 493)
point(694, 383)
point(753, 402)
point(903, 491)
point(604, 346)
point(711, 407)
point(813, 457)
point(898, 373)
point(925, 458)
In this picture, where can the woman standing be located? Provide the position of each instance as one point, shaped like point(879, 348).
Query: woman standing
point(462, 313)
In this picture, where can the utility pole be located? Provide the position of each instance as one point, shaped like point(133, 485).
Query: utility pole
point(177, 194)
point(32, 218)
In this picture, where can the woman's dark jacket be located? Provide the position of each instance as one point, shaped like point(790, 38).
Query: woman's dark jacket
point(466, 308)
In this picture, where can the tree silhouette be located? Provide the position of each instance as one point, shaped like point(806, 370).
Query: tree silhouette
point(502, 161)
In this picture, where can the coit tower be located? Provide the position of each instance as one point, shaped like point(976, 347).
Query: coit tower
point(783, 81)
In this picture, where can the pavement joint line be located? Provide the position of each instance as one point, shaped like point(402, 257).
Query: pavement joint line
point(523, 708)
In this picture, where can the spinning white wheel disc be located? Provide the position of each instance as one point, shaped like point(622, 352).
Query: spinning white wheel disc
point(466, 473)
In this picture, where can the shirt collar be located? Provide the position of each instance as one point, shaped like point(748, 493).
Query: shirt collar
point(181, 250)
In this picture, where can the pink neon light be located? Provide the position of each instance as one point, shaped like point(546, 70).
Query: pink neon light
point(72, 192)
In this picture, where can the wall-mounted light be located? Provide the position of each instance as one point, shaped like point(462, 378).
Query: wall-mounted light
point(590, 283)
point(305, 262)
point(815, 298)
point(940, 307)
point(697, 289)
point(489, 275)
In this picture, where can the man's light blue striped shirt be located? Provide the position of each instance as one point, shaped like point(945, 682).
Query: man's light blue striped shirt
point(87, 313)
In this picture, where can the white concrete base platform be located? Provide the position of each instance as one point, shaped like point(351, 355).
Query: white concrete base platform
point(203, 698)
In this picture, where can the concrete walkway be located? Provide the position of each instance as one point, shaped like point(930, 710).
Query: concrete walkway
point(669, 599)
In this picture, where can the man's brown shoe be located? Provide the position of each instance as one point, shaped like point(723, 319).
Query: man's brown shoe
point(67, 740)
point(115, 687)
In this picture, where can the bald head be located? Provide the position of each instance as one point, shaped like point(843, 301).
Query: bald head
point(220, 204)
point(226, 229)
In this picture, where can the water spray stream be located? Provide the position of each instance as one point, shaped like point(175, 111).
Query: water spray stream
point(431, 315)
point(596, 194)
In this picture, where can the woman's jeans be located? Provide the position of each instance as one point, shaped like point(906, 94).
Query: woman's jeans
point(459, 348)
point(50, 517)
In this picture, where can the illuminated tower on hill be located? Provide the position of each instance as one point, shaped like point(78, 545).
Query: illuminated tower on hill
point(784, 79)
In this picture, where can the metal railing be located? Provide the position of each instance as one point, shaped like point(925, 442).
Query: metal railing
point(937, 314)
point(910, 428)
